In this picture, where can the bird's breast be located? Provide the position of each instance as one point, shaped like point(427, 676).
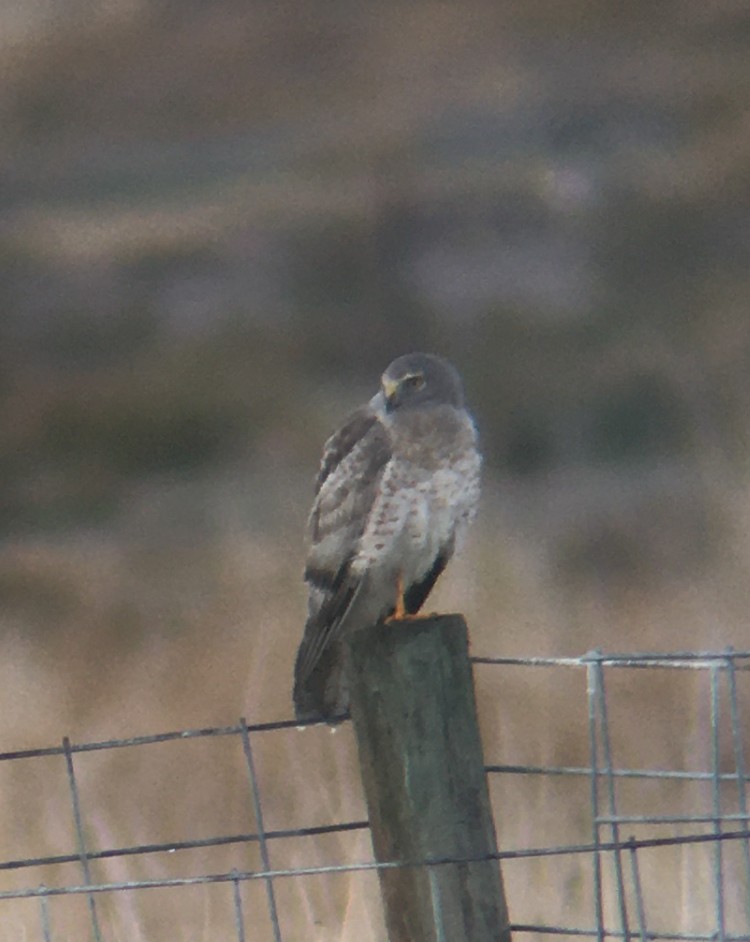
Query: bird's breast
point(440, 505)
point(427, 494)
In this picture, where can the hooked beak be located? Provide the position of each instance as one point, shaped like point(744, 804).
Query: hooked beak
point(390, 389)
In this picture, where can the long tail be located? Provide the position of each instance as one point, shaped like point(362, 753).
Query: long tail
point(319, 693)
point(319, 688)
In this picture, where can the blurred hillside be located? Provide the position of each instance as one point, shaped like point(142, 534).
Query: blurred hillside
point(209, 211)
point(219, 222)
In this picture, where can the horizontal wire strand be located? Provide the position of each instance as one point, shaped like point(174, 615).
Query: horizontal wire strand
point(527, 853)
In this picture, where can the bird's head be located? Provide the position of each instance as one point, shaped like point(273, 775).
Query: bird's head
point(421, 379)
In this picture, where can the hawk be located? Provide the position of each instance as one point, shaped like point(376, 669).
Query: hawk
point(398, 484)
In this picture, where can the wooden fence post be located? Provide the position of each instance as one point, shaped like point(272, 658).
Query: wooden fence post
point(414, 713)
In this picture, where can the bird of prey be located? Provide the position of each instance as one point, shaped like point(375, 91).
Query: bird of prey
point(398, 484)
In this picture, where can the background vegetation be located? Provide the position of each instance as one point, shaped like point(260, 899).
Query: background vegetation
point(218, 223)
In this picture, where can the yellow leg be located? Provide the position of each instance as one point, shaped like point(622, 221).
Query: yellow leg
point(399, 613)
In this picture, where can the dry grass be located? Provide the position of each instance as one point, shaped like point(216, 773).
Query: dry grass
point(103, 640)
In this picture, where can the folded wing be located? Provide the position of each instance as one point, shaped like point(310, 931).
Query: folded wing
point(354, 460)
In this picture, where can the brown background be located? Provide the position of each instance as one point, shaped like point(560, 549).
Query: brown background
point(218, 223)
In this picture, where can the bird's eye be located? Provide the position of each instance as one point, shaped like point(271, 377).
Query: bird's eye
point(415, 381)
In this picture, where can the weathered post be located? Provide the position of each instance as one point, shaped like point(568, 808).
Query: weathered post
point(414, 713)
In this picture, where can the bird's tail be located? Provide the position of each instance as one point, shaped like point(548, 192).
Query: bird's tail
point(320, 693)
point(320, 690)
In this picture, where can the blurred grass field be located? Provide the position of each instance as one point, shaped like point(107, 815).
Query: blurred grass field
point(105, 641)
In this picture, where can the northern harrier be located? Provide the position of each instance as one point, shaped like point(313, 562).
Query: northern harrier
point(398, 484)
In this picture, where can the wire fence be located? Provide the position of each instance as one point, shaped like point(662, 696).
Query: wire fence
point(621, 899)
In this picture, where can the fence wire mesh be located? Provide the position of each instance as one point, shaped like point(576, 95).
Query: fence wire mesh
point(629, 856)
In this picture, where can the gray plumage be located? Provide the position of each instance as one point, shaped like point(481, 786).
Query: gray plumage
point(397, 486)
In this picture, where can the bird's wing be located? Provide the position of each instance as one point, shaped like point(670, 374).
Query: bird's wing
point(353, 463)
